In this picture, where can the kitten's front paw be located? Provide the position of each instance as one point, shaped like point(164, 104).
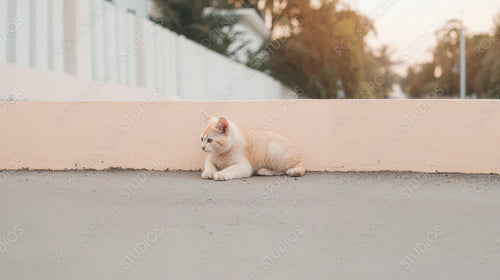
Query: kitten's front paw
point(208, 174)
point(221, 176)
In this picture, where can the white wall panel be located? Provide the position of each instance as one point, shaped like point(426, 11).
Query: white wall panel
point(131, 50)
point(111, 46)
point(41, 34)
point(121, 29)
point(3, 30)
point(57, 36)
point(98, 47)
point(22, 32)
point(148, 32)
point(85, 35)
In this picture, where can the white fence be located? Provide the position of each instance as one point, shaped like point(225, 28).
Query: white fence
point(95, 40)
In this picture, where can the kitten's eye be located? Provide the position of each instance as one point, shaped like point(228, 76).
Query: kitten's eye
point(209, 140)
point(201, 139)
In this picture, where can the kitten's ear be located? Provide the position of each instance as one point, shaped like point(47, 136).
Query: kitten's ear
point(222, 125)
point(207, 116)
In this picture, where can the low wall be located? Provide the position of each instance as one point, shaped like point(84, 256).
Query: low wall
point(334, 135)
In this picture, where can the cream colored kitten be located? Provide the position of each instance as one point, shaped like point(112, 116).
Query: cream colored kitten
point(235, 152)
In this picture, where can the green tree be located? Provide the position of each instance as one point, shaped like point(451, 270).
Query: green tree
point(447, 56)
point(487, 80)
point(482, 59)
point(420, 81)
point(321, 48)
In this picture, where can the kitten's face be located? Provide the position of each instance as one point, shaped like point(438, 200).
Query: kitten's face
point(215, 136)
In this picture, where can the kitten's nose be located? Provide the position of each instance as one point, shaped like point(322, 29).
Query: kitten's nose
point(203, 147)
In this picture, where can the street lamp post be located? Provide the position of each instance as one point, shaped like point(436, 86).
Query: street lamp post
point(462, 63)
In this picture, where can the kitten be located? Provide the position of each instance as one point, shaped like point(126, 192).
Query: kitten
point(235, 152)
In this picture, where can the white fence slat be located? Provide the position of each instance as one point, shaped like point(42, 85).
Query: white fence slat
point(164, 78)
point(149, 32)
point(86, 37)
point(23, 32)
point(172, 61)
point(199, 65)
point(13, 22)
point(4, 33)
point(57, 36)
point(131, 51)
point(110, 37)
point(98, 48)
point(32, 29)
point(159, 51)
point(156, 53)
point(180, 65)
point(164, 62)
point(121, 29)
point(41, 34)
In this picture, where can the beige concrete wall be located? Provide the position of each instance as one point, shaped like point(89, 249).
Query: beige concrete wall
point(336, 135)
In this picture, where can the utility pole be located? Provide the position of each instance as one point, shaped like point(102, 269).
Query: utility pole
point(462, 63)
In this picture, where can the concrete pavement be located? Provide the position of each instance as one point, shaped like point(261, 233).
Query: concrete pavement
point(174, 225)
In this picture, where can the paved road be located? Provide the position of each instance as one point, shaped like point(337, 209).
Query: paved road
point(173, 225)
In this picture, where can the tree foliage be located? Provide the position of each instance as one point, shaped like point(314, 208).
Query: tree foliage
point(482, 60)
point(322, 49)
point(318, 46)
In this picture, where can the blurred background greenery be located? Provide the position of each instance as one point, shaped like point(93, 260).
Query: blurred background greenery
point(321, 47)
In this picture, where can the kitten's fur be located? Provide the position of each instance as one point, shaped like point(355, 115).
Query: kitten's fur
point(235, 152)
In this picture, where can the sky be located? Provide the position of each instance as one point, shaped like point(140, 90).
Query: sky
point(408, 26)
